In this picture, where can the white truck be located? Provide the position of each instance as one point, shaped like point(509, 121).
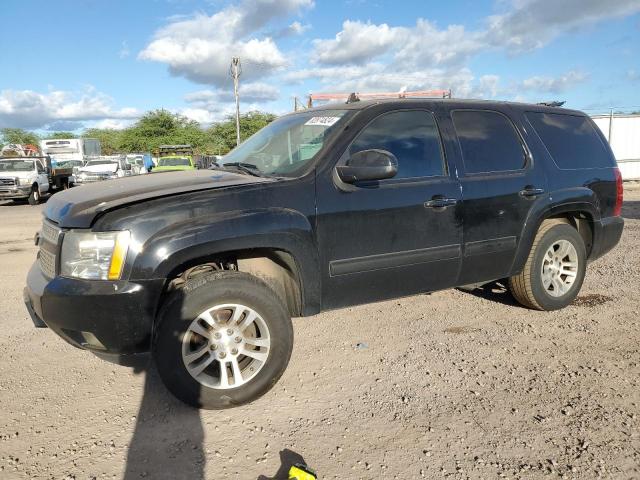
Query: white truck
point(31, 177)
point(71, 151)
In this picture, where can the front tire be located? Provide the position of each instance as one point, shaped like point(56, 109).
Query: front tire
point(34, 196)
point(555, 269)
point(223, 340)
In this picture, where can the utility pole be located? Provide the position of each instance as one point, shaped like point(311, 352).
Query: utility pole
point(235, 71)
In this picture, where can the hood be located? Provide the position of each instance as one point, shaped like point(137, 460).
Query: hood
point(105, 167)
point(77, 207)
point(21, 174)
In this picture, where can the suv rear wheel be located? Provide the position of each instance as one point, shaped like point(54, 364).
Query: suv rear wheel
point(555, 269)
point(224, 339)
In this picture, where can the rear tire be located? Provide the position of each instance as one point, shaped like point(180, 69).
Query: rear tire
point(229, 320)
point(34, 196)
point(555, 269)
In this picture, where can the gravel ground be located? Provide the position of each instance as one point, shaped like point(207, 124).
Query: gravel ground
point(452, 384)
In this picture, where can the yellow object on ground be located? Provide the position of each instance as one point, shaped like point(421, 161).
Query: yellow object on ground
point(301, 472)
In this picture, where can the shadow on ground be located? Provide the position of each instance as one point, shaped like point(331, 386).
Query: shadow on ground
point(168, 439)
point(288, 459)
point(631, 210)
point(495, 291)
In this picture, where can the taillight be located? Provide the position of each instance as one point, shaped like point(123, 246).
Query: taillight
point(617, 210)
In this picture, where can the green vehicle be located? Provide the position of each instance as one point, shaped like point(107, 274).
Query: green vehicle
point(175, 157)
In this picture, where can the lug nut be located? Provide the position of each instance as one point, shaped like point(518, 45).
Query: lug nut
point(229, 331)
point(238, 339)
point(213, 346)
point(222, 354)
point(217, 335)
point(234, 351)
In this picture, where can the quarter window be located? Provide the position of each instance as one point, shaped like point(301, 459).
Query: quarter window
point(489, 142)
point(571, 140)
point(412, 136)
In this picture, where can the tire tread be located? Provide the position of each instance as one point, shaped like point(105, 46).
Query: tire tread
point(520, 284)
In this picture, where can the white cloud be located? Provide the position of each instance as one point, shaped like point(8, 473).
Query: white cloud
point(295, 28)
point(200, 48)
point(534, 23)
point(248, 92)
point(356, 43)
point(29, 109)
point(208, 106)
point(124, 50)
point(558, 84)
point(111, 123)
point(379, 56)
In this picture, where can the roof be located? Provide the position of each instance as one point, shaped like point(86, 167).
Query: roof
point(449, 102)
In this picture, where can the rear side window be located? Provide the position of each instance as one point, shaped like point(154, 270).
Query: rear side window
point(571, 140)
point(412, 136)
point(489, 142)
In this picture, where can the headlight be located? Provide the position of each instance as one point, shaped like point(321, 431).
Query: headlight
point(94, 255)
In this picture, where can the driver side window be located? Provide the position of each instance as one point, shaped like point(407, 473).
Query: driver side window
point(39, 167)
point(412, 136)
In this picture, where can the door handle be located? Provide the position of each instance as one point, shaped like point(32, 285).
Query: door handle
point(530, 192)
point(439, 201)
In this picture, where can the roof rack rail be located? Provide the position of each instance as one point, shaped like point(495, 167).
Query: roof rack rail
point(357, 96)
point(553, 103)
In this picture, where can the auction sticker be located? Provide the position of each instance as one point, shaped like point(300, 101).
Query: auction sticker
point(322, 121)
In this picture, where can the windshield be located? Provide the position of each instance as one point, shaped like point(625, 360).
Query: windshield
point(174, 162)
point(16, 165)
point(286, 145)
point(69, 163)
point(99, 162)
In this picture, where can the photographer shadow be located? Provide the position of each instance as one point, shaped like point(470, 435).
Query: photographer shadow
point(288, 459)
point(168, 439)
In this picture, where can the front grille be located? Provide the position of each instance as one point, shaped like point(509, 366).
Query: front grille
point(47, 263)
point(7, 184)
point(50, 233)
point(49, 245)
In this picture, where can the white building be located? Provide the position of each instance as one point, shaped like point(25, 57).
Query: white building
point(623, 133)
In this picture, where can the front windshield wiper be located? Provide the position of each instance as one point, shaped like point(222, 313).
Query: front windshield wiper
point(247, 168)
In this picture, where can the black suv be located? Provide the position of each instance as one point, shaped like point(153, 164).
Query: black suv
point(321, 209)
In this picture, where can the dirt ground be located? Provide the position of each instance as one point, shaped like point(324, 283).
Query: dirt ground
point(452, 384)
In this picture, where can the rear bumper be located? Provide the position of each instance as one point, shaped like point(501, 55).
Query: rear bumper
point(606, 235)
point(102, 316)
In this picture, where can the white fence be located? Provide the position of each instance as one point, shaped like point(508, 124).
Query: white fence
point(623, 133)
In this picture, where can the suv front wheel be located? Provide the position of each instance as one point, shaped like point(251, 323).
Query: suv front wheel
point(555, 268)
point(224, 339)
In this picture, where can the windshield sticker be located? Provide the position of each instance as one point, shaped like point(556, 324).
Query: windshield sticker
point(322, 121)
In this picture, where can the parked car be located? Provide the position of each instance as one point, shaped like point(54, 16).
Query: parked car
point(103, 168)
point(30, 177)
point(323, 209)
point(173, 163)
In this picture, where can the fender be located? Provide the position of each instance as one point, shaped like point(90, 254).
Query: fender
point(205, 236)
point(578, 199)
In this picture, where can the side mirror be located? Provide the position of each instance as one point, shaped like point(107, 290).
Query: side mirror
point(368, 165)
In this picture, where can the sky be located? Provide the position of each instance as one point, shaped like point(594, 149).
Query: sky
point(75, 64)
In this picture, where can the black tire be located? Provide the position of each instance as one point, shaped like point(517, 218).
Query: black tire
point(527, 287)
point(189, 301)
point(34, 196)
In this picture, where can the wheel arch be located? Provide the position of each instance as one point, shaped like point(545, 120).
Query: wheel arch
point(275, 245)
point(579, 214)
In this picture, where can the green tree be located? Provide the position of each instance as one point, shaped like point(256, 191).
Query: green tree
point(223, 134)
point(160, 127)
point(18, 135)
point(110, 139)
point(60, 135)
